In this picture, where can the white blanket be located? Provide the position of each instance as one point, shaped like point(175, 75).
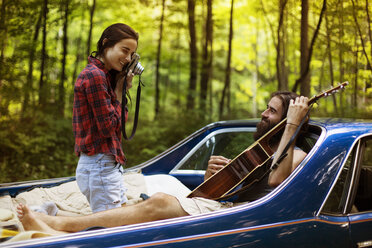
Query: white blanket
point(71, 202)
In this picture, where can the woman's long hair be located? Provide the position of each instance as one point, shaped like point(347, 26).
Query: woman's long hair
point(115, 33)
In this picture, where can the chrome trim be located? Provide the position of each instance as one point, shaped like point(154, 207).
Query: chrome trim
point(75, 236)
point(203, 141)
point(367, 243)
point(355, 164)
point(36, 182)
point(188, 172)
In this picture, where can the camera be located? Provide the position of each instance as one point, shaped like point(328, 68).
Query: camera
point(135, 65)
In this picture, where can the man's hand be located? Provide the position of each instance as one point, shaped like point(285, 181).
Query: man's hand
point(215, 164)
point(297, 110)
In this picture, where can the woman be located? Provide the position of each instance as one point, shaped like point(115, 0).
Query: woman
point(97, 118)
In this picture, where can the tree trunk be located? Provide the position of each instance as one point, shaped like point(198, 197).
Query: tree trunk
point(304, 48)
point(3, 41)
point(257, 78)
point(42, 83)
point(78, 57)
point(355, 93)
point(61, 98)
point(193, 56)
point(226, 89)
point(369, 25)
point(341, 49)
point(28, 86)
point(210, 76)
point(157, 73)
point(92, 9)
point(369, 31)
point(330, 61)
point(79, 53)
point(3, 32)
point(281, 69)
point(207, 59)
point(315, 35)
point(179, 69)
point(271, 76)
point(321, 77)
point(359, 31)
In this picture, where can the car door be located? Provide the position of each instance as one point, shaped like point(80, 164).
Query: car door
point(360, 202)
point(349, 205)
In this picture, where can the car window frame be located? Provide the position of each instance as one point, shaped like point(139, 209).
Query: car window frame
point(317, 133)
point(359, 147)
point(353, 187)
point(176, 170)
point(354, 191)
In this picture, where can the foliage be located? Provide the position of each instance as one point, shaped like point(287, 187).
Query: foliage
point(36, 138)
point(154, 137)
point(38, 146)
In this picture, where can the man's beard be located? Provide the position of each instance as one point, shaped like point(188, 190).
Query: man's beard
point(262, 128)
point(265, 126)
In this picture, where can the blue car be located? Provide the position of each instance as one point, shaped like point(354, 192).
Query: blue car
point(325, 202)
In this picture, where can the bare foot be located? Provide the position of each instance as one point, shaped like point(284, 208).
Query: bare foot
point(32, 223)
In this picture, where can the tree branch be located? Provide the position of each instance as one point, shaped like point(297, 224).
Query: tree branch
point(361, 36)
point(369, 24)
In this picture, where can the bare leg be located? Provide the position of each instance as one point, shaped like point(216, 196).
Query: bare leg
point(159, 206)
point(32, 223)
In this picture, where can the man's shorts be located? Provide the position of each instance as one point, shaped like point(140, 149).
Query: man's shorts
point(198, 205)
point(100, 179)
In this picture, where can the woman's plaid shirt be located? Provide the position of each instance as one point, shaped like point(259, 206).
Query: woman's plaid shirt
point(96, 113)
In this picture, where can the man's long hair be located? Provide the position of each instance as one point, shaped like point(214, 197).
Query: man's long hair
point(285, 97)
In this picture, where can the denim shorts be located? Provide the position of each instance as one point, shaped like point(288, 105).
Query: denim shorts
point(100, 179)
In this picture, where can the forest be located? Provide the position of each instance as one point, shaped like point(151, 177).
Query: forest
point(204, 60)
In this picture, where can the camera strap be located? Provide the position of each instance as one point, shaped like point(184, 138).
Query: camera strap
point(124, 107)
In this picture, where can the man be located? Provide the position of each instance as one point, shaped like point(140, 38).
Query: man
point(164, 206)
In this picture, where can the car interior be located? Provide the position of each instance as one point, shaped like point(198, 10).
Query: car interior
point(363, 198)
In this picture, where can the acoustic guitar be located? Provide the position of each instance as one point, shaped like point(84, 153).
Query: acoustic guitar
point(255, 156)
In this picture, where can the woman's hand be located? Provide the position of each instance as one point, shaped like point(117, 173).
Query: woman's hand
point(120, 83)
point(130, 76)
point(215, 164)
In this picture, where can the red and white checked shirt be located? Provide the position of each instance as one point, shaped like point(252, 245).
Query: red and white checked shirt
point(97, 113)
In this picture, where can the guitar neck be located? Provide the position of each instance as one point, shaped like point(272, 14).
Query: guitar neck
point(328, 92)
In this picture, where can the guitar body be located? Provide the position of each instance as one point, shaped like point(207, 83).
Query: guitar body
point(232, 174)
